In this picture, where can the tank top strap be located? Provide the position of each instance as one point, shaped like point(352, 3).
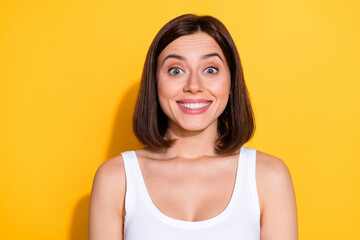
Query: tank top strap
point(248, 173)
point(129, 159)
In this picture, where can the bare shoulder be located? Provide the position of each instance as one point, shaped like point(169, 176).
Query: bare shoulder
point(109, 181)
point(271, 166)
point(113, 167)
point(272, 176)
point(107, 200)
point(111, 171)
point(278, 217)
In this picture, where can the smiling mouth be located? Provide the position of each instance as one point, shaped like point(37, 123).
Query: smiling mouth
point(194, 106)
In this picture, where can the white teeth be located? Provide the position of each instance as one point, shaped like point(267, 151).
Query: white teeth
point(194, 106)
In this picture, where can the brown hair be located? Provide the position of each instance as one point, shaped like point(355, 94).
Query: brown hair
point(236, 124)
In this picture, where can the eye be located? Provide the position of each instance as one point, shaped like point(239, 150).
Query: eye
point(211, 70)
point(175, 71)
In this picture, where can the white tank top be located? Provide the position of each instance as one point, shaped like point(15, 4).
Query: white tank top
point(239, 220)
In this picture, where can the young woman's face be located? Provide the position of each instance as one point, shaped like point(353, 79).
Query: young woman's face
point(193, 81)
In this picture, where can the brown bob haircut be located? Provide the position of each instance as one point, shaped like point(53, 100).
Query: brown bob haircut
point(236, 124)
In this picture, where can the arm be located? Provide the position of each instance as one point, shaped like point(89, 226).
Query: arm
point(107, 201)
point(277, 199)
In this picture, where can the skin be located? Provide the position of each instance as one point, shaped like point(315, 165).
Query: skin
point(204, 181)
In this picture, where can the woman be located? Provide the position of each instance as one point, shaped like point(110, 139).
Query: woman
point(194, 180)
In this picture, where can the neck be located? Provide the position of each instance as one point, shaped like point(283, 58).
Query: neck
point(192, 144)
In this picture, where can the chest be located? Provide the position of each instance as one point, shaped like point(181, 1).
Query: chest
point(190, 191)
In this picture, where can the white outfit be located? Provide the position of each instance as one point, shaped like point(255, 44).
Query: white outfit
point(240, 219)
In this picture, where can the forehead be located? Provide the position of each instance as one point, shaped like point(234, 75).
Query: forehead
point(192, 44)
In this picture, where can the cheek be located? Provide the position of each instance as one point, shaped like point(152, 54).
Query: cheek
point(161, 87)
point(167, 92)
point(221, 88)
point(164, 90)
point(168, 88)
point(162, 95)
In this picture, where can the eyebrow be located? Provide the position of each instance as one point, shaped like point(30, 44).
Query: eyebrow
point(183, 58)
point(173, 56)
point(211, 55)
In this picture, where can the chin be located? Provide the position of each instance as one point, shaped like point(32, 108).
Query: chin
point(195, 127)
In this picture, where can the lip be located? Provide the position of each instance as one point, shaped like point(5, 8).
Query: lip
point(194, 111)
point(189, 100)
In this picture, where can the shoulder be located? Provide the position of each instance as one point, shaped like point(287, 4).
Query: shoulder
point(272, 176)
point(107, 202)
point(271, 166)
point(278, 211)
point(109, 181)
point(111, 171)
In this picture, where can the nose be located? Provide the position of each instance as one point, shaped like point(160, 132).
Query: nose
point(193, 84)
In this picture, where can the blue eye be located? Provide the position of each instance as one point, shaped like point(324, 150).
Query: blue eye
point(211, 70)
point(175, 71)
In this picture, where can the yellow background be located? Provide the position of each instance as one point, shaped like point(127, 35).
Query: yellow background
point(70, 71)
